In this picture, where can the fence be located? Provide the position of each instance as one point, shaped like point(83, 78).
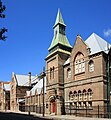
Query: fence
point(94, 111)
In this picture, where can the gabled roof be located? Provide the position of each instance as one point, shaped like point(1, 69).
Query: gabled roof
point(38, 87)
point(59, 19)
point(23, 80)
point(97, 44)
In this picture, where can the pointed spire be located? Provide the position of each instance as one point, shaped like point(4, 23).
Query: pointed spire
point(60, 41)
point(59, 19)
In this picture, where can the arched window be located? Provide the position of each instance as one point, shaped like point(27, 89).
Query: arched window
point(79, 63)
point(89, 97)
point(70, 95)
point(80, 95)
point(85, 95)
point(50, 73)
point(91, 66)
point(75, 96)
point(90, 94)
point(68, 73)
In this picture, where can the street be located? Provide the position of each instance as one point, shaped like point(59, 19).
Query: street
point(16, 116)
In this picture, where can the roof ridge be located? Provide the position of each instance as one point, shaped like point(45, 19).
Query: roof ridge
point(22, 74)
point(25, 75)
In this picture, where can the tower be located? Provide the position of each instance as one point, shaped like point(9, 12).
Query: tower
point(59, 51)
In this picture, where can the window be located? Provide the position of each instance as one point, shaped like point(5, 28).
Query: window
point(83, 65)
point(55, 33)
point(90, 104)
point(84, 104)
point(90, 94)
point(75, 96)
point(91, 66)
point(79, 105)
point(79, 63)
point(85, 95)
point(68, 73)
point(70, 95)
point(52, 73)
point(80, 95)
point(62, 30)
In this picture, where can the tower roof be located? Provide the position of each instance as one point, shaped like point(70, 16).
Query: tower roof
point(60, 38)
point(59, 19)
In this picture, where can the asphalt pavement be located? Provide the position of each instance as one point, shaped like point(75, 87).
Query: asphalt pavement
point(8, 115)
point(17, 116)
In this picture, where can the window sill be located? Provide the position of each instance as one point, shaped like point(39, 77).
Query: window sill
point(79, 73)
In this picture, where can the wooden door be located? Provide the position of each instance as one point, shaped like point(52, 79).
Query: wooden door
point(53, 107)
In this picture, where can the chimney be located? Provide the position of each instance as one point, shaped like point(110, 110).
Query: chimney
point(29, 74)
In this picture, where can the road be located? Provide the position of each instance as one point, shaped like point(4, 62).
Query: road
point(16, 116)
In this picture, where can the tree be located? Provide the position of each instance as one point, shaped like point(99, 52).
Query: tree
point(2, 15)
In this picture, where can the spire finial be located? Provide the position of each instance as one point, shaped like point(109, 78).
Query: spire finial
point(78, 35)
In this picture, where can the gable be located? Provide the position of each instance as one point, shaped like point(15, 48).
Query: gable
point(79, 47)
point(14, 81)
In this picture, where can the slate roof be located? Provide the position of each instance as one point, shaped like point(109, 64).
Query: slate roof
point(7, 87)
point(38, 87)
point(97, 44)
point(23, 80)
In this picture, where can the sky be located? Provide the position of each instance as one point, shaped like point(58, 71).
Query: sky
point(30, 30)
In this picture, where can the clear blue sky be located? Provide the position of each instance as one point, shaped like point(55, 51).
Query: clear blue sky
point(30, 30)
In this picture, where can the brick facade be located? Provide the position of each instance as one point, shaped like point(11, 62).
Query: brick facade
point(4, 95)
point(18, 91)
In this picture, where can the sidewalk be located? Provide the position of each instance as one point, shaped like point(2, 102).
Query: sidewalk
point(59, 117)
point(69, 117)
